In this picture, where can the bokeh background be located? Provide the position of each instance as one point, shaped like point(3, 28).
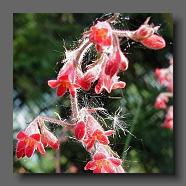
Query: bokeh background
point(39, 42)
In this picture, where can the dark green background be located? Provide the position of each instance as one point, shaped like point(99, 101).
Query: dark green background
point(38, 47)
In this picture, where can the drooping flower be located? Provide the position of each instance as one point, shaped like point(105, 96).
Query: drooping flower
point(154, 42)
point(108, 83)
point(90, 76)
point(145, 34)
point(168, 122)
point(48, 138)
point(80, 130)
point(144, 31)
point(98, 136)
point(66, 80)
point(116, 62)
point(161, 101)
point(27, 144)
point(101, 35)
point(103, 164)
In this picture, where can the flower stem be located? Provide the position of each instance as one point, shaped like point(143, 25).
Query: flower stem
point(74, 106)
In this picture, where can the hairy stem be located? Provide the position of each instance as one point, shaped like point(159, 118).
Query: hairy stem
point(74, 107)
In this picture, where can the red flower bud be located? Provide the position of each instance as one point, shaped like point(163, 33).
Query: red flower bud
point(154, 42)
point(80, 130)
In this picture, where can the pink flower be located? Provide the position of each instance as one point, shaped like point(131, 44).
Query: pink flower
point(108, 83)
point(90, 76)
point(161, 101)
point(116, 62)
point(103, 164)
point(98, 136)
point(80, 130)
point(165, 77)
point(65, 80)
point(49, 139)
point(145, 30)
point(146, 35)
point(101, 35)
point(27, 144)
point(155, 42)
point(168, 123)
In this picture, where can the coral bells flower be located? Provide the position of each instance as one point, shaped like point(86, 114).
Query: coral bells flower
point(90, 76)
point(48, 138)
point(144, 31)
point(98, 136)
point(103, 164)
point(161, 101)
point(168, 123)
point(165, 77)
point(108, 83)
point(155, 42)
point(80, 130)
point(28, 143)
point(101, 35)
point(146, 35)
point(116, 62)
point(65, 80)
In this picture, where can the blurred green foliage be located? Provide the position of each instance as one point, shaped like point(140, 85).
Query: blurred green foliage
point(39, 42)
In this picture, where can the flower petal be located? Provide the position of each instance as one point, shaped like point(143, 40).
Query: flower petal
point(85, 85)
point(29, 150)
point(20, 149)
point(99, 156)
point(109, 132)
point(53, 145)
point(115, 161)
point(103, 139)
point(61, 90)
point(90, 144)
point(90, 165)
point(40, 148)
point(21, 135)
point(53, 83)
point(37, 137)
point(97, 170)
point(119, 84)
point(108, 168)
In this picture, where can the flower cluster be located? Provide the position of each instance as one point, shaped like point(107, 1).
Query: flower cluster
point(104, 74)
point(111, 61)
point(165, 78)
point(34, 139)
point(103, 164)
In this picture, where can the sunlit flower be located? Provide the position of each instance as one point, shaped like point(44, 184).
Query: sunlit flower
point(103, 164)
point(108, 83)
point(90, 76)
point(27, 144)
point(49, 139)
point(80, 130)
point(155, 42)
point(65, 80)
point(98, 136)
point(116, 62)
point(101, 35)
point(146, 34)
